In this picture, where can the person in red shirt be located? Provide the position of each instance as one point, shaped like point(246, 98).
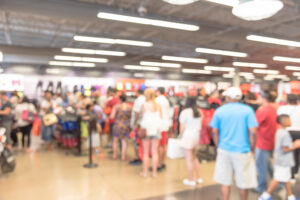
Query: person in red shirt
point(266, 117)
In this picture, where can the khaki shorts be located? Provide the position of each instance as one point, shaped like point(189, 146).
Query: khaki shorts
point(240, 165)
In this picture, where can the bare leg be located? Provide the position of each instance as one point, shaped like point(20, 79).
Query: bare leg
point(160, 152)
point(196, 164)
point(115, 147)
point(146, 149)
point(124, 148)
point(289, 188)
point(225, 192)
point(272, 186)
point(243, 194)
point(154, 147)
point(189, 163)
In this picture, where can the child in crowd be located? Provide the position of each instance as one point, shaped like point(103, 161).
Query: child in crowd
point(284, 160)
point(96, 131)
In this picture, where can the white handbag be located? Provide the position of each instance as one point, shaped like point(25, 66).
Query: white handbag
point(174, 151)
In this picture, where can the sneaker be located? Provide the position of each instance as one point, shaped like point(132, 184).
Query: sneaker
point(199, 181)
point(189, 183)
point(136, 162)
point(261, 198)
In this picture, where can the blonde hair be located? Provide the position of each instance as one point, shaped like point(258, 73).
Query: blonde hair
point(150, 97)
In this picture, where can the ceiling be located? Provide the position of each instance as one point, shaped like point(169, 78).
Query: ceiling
point(33, 31)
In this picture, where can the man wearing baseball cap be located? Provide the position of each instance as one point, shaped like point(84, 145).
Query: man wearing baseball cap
point(234, 131)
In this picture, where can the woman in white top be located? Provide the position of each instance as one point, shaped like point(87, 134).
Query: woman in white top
point(190, 126)
point(151, 122)
point(25, 125)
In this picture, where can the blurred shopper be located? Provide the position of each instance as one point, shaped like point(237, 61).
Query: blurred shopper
point(136, 117)
point(121, 114)
point(6, 116)
point(112, 101)
point(190, 126)
point(163, 102)
point(293, 111)
point(99, 114)
point(46, 108)
point(151, 125)
point(96, 140)
point(272, 99)
point(266, 118)
point(234, 129)
point(251, 100)
point(284, 160)
point(24, 115)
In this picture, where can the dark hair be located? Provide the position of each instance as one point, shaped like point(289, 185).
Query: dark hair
point(140, 91)
point(161, 90)
point(250, 96)
point(191, 103)
point(94, 124)
point(4, 93)
point(280, 118)
point(25, 99)
point(292, 99)
point(270, 96)
point(123, 98)
point(95, 102)
point(88, 106)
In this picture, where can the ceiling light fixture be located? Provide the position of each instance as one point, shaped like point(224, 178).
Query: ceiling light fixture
point(265, 71)
point(219, 68)
point(230, 3)
point(286, 59)
point(228, 75)
point(246, 64)
point(148, 21)
point(81, 59)
point(180, 2)
point(112, 41)
point(143, 68)
point(221, 52)
point(292, 68)
point(296, 74)
point(72, 64)
point(253, 10)
point(184, 59)
point(271, 40)
point(196, 71)
point(93, 52)
point(159, 64)
point(53, 71)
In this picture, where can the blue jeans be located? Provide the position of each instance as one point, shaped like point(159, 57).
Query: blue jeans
point(264, 167)
point(47, 132)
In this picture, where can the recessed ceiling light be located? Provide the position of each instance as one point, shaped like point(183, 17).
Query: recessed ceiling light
point(184, 59)
point(81, 59)
point(71, 64)
point(231, 3)
point(286, 59)
point(219, 68)
point(265, 71)
point(246, 64)
point(112, 41)
point(221, 52)
point(271, 40)
point(293, 68)
point(143, 68)
point(148, 21)
point(93, 52)
point(196, 71)
point(159, 64)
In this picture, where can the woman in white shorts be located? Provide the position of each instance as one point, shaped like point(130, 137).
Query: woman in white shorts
point(190, 125)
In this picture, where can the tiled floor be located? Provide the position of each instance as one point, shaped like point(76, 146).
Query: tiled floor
point(57, 176)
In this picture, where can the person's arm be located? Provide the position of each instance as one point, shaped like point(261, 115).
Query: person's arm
point(6, 111)
point(113, 113)
point(182, 128)
point(160, 112)
point(215, 134)
point(296, 145)
point(252, 138)
point(99, 129)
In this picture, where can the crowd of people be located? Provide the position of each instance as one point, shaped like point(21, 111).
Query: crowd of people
point(246, 130)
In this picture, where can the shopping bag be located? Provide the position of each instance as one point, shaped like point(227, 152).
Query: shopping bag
point(174, 150)
point(84, 130)
point(36, 127)
point(50, 119)
point(28, 116)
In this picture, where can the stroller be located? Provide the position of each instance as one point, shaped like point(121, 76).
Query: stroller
point(7, 160)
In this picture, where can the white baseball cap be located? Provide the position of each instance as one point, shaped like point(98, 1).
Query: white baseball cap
point(233, 93)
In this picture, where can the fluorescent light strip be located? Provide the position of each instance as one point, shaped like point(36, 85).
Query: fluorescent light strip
point(221, 52)
point(296, 74)
point(265, 71)
point(84, 59)
point(217, 68)
point(293, 68)
point(112, 41)
point(158, 64)
point(230, 3)
point(93, 52)
point(271, 40)
point(143, 68)
point(71, 64)
point(228, 75)
point(277, 75)
point(53, 71)
point(286, 59)
point(184, 59)
point(196, 71)
point(148, 21)
point(246, 64)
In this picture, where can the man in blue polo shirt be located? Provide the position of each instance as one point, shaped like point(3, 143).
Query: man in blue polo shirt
point(234, 131)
